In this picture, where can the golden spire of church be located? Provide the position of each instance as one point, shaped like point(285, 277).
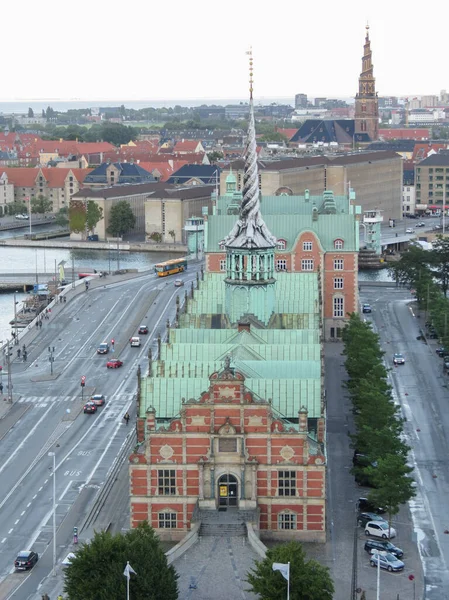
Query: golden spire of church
point(250, 52)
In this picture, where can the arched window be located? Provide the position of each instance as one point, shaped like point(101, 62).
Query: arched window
point(287, 520)
point(167, 519)
point(281, 244)
point(339, 244)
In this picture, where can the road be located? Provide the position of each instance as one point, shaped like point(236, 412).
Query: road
point(420, 387)
point(50, 417)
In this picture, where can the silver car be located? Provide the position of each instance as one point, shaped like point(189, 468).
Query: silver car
point(386, 560)
point(380, 529)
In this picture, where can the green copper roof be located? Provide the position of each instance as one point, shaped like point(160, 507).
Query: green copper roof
point(290, 227)
point(201, 352)
point(287, 395)
point(232, 336)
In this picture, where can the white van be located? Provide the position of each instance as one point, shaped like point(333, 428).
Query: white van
point(135, 342)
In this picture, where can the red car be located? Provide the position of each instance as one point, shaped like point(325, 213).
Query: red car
point(114, 363)
point(143, 329)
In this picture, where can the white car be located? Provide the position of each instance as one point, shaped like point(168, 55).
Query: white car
point(380, 529)
point(409, 230)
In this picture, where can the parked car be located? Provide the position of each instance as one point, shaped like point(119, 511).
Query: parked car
point(98, 399)
point(366, 308)
point(364, 517)
point(436, 227)
point(383, 546)
point(179, 283)
point(364, 505)
point(442, 352)
point(26, 559)
point(114, 363)
point(398, 359)
point(409, 230)
point(380, 529)
point(90, 408)
point(103, 348)
point(386, 560)
point(420, 224)
point(143, 329)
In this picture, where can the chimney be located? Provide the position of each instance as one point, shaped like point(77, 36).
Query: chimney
point(151, 419)
point(303, 419)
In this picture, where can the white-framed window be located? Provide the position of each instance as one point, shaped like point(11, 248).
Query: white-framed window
point(281, 244)
point(287, 483)
point(338, 283)
point(338, 244)
point(223, 264)
point(287, 520)
point(338, 306)
point(307, 246)
point(338, 264)
point(167, 520)
point(307, 264)
point(281, 264)
point(166, 479)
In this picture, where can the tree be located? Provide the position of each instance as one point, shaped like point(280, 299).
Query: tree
point(308, 579)
point(17, 208)
point(154, 578)
point(214, 156)
point(93, 215)
point(41, 205)
point(62, 219)
point(440, 262)
point(172, 234)
point(30, 113)
point(394, 486)
point(77, 216)
point(121, 219)
point(156, 236)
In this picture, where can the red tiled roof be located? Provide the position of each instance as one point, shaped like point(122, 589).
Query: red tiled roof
point(54, 177)
point(164, 168)
point(404, 134)
point(289, 133)
point(21, 176)
point(186, 146)
point(421, 151)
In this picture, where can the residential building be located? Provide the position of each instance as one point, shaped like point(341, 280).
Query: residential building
point(301, 101)
point(408, 190)
point(236, 112)
point(195, 175)
point(406, 133)
point(366, 102)
point(232, 412)
point(109, 174)
point(429, 101)
point(6, 193)
point(58, 185)
point(170, 207)
point(432, 182)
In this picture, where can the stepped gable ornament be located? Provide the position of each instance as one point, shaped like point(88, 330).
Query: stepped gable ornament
point(250, 231)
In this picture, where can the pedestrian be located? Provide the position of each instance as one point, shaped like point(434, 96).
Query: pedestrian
point(126, 417)
point(60, 597)
point(40, 323)
point(1, 388)
point(37, 323)
point(65, 299)
point(24, 348)
point(25, 356)
point(18, 352)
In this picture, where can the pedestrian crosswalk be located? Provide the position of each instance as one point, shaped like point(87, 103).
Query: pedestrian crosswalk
point(44, 401)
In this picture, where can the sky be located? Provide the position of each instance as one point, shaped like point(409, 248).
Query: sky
point(92, 50)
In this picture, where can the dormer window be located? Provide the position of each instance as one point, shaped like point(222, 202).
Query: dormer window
point(339, 244)
point(222, 246)
point(281, 244)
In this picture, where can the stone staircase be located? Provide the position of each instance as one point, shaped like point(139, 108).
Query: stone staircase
point(229, 523)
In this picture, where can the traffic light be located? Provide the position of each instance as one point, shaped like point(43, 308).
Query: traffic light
point(83, 381)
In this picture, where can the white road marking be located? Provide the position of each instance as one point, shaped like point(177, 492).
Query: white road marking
point(22, 443)
point(65, 491)
point(40, 489)
point(10, 531)
point(22, 513)
point(15, 522)
point(3, 540)
point(34, 497)
point(29, 504)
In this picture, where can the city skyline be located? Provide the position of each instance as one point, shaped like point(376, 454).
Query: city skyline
point(197, 55)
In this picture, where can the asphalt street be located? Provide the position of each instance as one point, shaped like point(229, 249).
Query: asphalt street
point(47, 416)
point(420, 387)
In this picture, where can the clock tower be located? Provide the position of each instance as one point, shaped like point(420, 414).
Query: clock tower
point(366, 102)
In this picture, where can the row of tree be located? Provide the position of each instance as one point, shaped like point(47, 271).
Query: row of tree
point(380, 455)
point(39, 205)
point(427, 273)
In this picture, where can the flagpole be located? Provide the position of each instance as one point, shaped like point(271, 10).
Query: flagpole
point(127, 580)
point(288, 582)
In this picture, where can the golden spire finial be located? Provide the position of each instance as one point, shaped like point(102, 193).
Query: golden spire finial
point(367, 29)
point(250, 52)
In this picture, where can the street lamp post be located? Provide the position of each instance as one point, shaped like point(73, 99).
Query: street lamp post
point(16, 335)
point(51, 358)
point(53, 454)
point(8, 361)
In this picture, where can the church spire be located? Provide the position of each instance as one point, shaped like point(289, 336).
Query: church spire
point(366, 102)
point(250, 231)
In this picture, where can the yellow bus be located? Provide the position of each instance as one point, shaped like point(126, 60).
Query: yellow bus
point(170, 267)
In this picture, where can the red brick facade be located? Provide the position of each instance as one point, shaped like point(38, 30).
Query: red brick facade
point(229, 449)
point(338, 268)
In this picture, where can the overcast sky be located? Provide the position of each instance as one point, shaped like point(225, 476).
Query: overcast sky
point(196, 49)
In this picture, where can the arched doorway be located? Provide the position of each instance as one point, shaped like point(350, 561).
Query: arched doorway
point(227, 490)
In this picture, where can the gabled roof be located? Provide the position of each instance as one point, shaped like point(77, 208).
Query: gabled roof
point(128, 173)
point(205, 173)
point(436, 160)
point(421, 151)
point(289, 133)
point(21, 176)
point(326, 131)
